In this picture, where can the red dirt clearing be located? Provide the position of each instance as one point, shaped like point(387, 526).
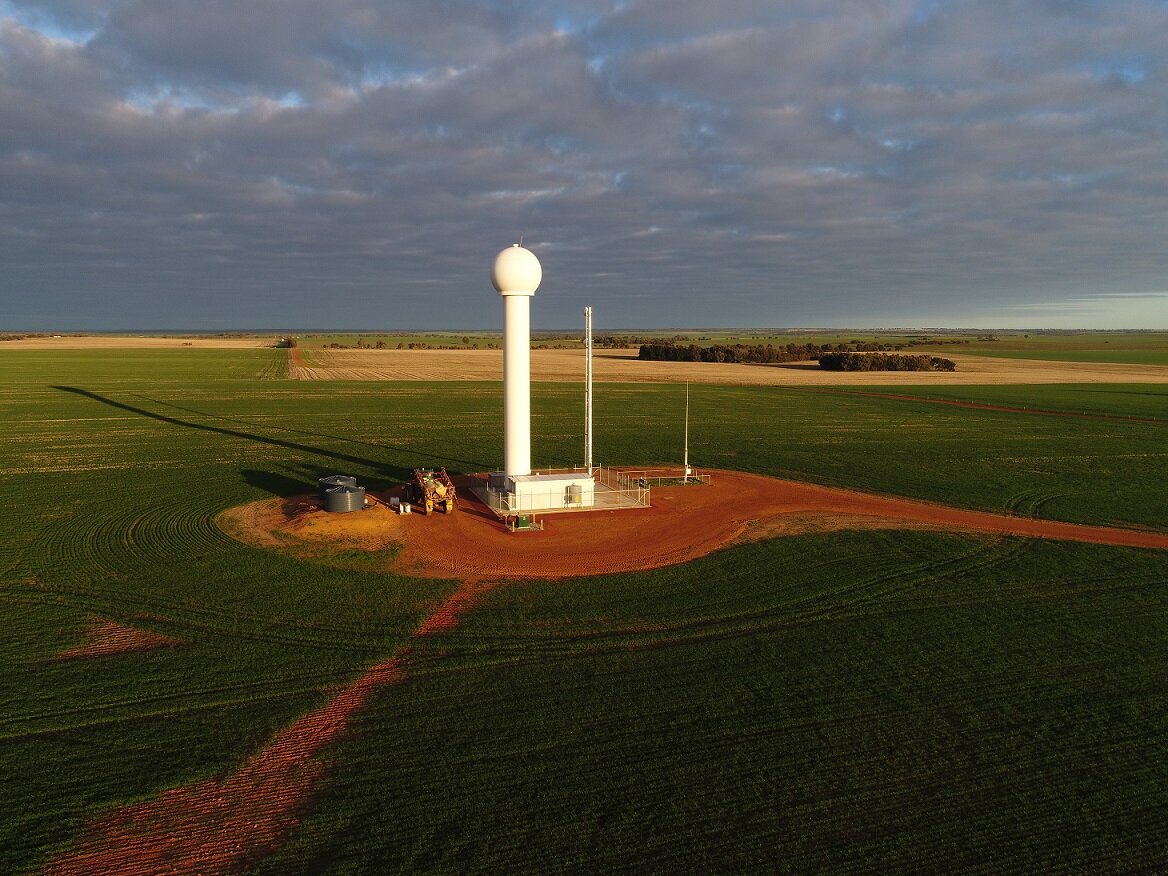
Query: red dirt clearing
point(222, 826)
point(687, 522)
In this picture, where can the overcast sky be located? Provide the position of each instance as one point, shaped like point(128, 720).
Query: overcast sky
point(337, 163)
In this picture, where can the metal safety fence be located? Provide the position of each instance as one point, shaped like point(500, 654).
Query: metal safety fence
point(614, 489)
point(661, 477)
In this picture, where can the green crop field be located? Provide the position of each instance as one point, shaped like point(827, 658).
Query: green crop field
point(858, 701)
point(1130, 348)
point(881, 703)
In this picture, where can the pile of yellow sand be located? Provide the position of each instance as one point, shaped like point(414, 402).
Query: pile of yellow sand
point(277, 522)
point(374, 526)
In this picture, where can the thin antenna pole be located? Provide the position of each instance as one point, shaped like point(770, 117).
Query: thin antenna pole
point(685, 477)
point(588, 389)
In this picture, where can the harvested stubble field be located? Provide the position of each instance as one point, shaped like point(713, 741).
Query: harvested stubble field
point(876, 699)
point(623, 365)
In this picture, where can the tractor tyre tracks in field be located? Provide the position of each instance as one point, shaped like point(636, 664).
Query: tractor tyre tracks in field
point(987, 406)
point(93, 554)
point(225, 825)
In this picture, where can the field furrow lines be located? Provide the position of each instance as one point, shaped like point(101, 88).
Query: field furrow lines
point(148, 708)
point(826, 678)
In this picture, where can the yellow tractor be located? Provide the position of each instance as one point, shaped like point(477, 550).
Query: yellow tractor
point(430, 489)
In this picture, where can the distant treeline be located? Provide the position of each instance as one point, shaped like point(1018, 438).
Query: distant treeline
point(363, 344)
point(10, 336)
point(754, 354)
point(883, 362)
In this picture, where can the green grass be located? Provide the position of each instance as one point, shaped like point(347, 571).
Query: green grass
point(35, 370)
point(1083, 470)
point(1117, 357)
point(874, 702)
point(868, 700)
point(1131, 348)
point(111, 494)
point(1118, 401)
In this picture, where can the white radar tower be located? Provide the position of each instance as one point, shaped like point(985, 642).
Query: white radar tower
point(588, 388)
point(516, 275)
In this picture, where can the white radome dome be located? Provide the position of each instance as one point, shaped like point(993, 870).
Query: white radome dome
point(516, 271)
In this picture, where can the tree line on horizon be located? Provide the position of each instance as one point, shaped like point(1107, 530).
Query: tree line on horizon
point(753, 354)
point(883, 362)
point(837, 357)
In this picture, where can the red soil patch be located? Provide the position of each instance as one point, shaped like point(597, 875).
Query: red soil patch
point(105, 637)
point(447, 616)
point(223, 826)
point(686, 522)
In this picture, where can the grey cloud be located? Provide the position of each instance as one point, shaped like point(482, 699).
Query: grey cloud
point(733, 163)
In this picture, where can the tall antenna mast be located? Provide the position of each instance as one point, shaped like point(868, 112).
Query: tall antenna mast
point(588, 389)
point(685, 477)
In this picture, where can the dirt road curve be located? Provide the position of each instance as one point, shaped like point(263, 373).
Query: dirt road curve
point(223, 826)
point(689, 522)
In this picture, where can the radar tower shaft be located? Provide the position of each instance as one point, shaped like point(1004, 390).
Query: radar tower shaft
point(588, 388)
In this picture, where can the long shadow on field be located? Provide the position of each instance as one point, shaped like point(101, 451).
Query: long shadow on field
point(276, 484)
point(470, 464)
point(391, 471)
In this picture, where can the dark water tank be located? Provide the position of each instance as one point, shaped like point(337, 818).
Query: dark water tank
point(331, 481)
point(344, 498)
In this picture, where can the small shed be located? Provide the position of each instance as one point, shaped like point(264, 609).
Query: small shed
point(553, 492)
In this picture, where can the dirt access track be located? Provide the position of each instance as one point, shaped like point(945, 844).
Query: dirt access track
point(687, 522)
point(683, 524)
